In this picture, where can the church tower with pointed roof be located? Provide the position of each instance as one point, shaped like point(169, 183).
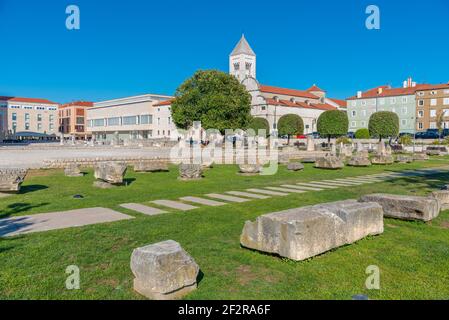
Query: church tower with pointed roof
point(242, 60)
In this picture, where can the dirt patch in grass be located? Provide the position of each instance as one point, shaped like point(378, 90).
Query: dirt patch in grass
point(444, 225)
point(41, 173)
point(245, 275)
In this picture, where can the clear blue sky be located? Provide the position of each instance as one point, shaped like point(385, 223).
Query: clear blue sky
point(136, 46)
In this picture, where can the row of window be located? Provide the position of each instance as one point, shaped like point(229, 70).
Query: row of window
point(364, 113)
point(51, 117)
point(125, 121)
point(31, 107)
point(433, 92)
point(433, 113)
point(372, 102)
point(27, 126)
point(434, 102)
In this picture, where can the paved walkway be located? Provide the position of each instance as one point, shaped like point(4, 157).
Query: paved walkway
point(58, 220)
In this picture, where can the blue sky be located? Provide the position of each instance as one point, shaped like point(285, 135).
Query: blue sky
point(136, 46)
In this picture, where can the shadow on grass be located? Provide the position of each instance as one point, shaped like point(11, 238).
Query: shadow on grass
point(32, 188)
point(128, 181)
point(19, 207)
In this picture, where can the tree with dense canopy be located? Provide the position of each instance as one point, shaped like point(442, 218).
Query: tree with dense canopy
point(384, 124)
point(333, 124)
point(215, 98)
point(290, 125)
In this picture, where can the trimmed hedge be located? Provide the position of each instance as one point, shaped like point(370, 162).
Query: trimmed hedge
point(333, 123)
point(362, 134)
point(290, 124)
point(384, 124)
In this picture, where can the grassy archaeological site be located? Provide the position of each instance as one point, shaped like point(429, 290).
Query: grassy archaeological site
point(412, 256)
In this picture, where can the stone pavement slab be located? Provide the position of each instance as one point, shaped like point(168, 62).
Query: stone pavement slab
point(308, 188)
point(174, 205)
point(268, 192)
point(248, 195)
point(315, 185)
point(226, 197)
point(205, 202)
point(287, 190)
point(149, 211)
point(58, 220)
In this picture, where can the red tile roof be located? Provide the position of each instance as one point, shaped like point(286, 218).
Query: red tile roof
point(341, 103)
point(86, 104)
point(164, 103)
point(27, 100)
point(387, 91)
point(437, 86)
point(287, 92)
point(315, 88)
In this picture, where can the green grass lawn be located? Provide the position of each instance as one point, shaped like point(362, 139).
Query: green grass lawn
point(413, 257)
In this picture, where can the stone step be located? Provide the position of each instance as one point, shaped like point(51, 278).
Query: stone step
point(350, 181)
point(287, 190)
point(337, 185)
point(247, 195)
point(268, 192)
point(226, 197)
point(291, 186)
point(58, 220)
point(150, 211)
point(202, 201)
point(343, 182)
point(314, 185)
point(174, 205)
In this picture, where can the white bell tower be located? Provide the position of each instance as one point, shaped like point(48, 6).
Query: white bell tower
point(242, 61)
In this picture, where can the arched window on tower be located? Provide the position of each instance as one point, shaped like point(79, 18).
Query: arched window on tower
point(248, 66)
point(236, 66)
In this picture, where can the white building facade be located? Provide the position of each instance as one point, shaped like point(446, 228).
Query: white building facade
point(132, 118)
point(28, 117)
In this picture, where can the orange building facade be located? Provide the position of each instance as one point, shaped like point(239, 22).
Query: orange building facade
point(72, 119)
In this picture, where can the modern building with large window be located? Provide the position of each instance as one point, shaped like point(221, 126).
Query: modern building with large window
point(28, 118)
point(132, 118)
point(401, 101)
point(72, 120)
point(430, 104)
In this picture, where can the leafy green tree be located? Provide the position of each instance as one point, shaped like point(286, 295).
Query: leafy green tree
point(259, 124)
point(440, 123)
point(215, 98)
point(384, 124)
point(332, 124)
point(362, 134)
point(289, 125)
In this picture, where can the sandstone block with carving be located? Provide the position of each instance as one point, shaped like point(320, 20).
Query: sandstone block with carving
point(190, 171)
point(250, 168)
point(12, 179)
point(443, 197)
point(295, 166)
point(110, 172)
point(164, 271)
point(329, 162)
point(405, 207)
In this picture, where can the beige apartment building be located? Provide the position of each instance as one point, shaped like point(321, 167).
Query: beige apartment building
point(28, 118)
point(132, 118)
point(430, 102)
point(72, 120)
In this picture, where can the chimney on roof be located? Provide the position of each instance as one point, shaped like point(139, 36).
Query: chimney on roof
point(409, 83)
point(359, 94)
point(380, 90)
